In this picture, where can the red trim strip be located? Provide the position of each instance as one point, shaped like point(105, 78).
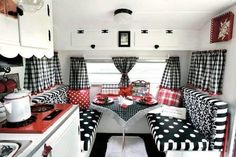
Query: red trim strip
point(226, 135)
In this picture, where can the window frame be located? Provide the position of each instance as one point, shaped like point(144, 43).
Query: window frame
point(154, 87)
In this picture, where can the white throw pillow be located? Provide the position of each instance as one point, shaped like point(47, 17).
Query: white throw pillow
point(157, 110)
point(176, 112)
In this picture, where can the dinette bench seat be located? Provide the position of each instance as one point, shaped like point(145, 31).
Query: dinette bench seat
point(175, 134)
point(203, 129)
point(89, 118)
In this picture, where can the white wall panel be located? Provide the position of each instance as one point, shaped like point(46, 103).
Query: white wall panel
point(229, 83)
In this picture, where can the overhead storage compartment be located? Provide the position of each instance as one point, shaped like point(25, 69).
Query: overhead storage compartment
point(29, 34)
point(83, 39)
point(163, 38)
point(139, 40)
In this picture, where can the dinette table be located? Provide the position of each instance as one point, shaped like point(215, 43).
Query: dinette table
point(125, 116)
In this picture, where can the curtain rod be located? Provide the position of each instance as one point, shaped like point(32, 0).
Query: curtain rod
point(161, 60)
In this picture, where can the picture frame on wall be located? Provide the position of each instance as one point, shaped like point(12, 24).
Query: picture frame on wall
point(124, 39)
point(222, 27)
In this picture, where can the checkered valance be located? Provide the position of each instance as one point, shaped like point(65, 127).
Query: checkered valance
point(171, 76)
point(207, 69)
point(78, 73)
point(42, 73)
point(124, 65)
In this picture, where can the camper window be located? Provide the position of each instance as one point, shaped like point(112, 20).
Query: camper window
point(101, 72)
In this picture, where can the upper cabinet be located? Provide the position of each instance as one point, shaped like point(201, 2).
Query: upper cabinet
point(139, 40)
point(9, 30)
point(156, 39)
point(28, 34)
point(35, 29)
point(93, 39)
point(8, 23)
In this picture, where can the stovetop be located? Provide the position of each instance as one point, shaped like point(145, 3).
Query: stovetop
point(43, 116)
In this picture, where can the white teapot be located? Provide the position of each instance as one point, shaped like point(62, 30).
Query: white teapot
point(17, 106)
point(2, 112)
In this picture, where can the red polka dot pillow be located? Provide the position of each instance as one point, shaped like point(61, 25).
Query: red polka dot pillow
point(80, 97)
point(169, 97)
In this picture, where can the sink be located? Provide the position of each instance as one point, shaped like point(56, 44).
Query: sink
point(9, 148)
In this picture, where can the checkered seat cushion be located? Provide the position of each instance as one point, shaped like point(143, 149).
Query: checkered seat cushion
point(175, 134)
point(89, 120)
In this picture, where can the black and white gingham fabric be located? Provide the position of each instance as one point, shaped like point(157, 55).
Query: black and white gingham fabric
point(175, 134)
point(57, 69)
point(40, 73)
point(78, 74)
point(207, 69)
point(89, 120)
point(110, 89)
point(208, 115)
point(124, 65)
point(171, 76)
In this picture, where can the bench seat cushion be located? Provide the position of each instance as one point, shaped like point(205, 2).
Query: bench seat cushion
point(175, 134)
point(208, 115)
point(89, 120)
point(54, 96)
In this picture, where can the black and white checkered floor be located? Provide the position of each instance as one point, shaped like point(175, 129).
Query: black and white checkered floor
point(100, 145)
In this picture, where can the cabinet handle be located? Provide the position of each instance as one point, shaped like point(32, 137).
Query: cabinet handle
point(46, 150)
point(49, 35)
point(48, 9)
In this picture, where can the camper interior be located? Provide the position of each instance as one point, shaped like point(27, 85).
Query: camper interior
point(100, 78)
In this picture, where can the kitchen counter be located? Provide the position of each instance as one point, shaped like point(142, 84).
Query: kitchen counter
point(39, 139)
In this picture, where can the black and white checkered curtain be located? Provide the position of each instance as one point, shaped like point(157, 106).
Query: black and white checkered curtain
point(207, 69)
point(57, 69)
point(171, 76)
point(78, 73)
point(124, 65)
point(40, 73)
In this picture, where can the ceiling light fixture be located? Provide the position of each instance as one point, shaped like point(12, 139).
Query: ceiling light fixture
point(122, 15)
point(29, 5)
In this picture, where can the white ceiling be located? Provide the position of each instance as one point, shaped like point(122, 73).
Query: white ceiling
point(147, 14)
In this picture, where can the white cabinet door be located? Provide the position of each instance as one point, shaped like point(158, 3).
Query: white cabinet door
point(155, 37)
point(50, 24)
point(105, 40)
point(67, 144)
point(84, 40)
point(65, 141)
point(34, 28)
point(9, 30)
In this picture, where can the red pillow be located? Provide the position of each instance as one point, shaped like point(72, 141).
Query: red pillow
point(80, 97)
point(169, 97)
